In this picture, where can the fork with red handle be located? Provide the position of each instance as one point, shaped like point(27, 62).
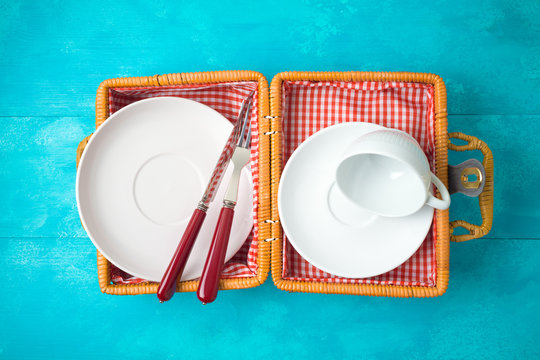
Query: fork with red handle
point(209, 283)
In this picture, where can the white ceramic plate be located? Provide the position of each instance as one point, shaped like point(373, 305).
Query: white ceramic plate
point(140, 179)
point(325, 228)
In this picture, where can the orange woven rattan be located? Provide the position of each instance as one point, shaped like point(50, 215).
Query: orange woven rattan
point(270, 253)
point(441, 161)
point(263, 254)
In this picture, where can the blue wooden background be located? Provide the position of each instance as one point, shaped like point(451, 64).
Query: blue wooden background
point(54, 54)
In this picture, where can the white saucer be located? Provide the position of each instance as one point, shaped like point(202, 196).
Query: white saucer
point(140, 179)
point(328, 230)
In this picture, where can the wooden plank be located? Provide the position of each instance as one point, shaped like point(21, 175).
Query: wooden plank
point(38, 174)
point(54, 55)
point(52, 308)
point(512, 139)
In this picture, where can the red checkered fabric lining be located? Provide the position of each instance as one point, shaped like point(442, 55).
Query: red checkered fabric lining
point(227, 99)
point(311, 106)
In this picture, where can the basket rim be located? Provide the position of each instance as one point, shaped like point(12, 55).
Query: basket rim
point(264, 248)
point(442, 245)
point(269, 120)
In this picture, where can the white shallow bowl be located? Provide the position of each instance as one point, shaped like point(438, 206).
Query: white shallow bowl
point(330, 231)
point(141, 176)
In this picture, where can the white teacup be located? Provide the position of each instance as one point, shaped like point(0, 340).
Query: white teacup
point(386, 172)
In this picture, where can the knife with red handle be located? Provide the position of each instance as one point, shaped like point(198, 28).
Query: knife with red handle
point(167, 287)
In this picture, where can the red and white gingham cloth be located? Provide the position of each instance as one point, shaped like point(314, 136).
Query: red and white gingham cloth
point(307, 108)
point(227, 99)
point(311, 106)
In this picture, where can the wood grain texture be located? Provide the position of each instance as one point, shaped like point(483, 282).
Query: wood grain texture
point(38, 155)
point(37, 176)
point(56, 53)
point(67, 48)
point(489, 298)
point(512, 140)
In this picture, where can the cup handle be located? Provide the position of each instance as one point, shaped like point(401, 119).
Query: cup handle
point(445, 195)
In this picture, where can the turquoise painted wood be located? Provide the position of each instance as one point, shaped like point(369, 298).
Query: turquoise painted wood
point(54, 55)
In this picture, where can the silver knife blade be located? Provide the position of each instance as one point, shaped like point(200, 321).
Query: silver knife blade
point(226, 155)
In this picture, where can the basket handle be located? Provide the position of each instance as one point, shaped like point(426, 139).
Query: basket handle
point(80, 148)
point(485, 197)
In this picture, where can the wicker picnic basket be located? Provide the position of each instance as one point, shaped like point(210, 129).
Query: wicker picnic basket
point(270, 241)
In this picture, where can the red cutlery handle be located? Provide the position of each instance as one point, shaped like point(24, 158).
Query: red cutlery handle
point(209, 284)
point(167, 287)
